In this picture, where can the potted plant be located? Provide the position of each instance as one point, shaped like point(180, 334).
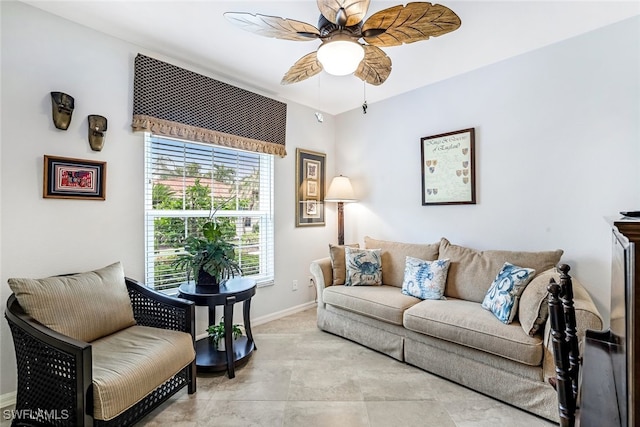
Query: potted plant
point(209, 260)
point(216, 333)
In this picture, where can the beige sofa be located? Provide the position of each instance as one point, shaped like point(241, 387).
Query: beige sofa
point(455, 338)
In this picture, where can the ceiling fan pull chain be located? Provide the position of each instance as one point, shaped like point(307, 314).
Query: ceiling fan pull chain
point(364, 95)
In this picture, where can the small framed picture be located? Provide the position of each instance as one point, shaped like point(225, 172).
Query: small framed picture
point(312, 188)
point(310, 183)
point(448, 168)
point(66, 178)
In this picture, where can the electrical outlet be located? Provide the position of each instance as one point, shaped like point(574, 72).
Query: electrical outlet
point(294, 287)
point(310, 281)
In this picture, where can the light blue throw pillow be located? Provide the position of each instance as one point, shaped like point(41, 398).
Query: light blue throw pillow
point(425, 279)
point(364, 266)
point(504, 293)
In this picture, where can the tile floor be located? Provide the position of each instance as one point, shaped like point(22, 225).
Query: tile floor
point(303, 377)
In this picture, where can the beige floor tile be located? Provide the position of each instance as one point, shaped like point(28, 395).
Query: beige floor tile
point(417, 413)
point(325, 414)
point(323, 380)
point(181, 408)
point(267, 380)
point(244, 414)
point(486, 412)
point(377, 385)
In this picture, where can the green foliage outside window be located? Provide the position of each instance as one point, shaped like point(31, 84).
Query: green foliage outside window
point(170, 233)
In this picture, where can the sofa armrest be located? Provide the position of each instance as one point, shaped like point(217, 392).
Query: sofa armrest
point(322, 275)
point(587, 318)
point(155, 309)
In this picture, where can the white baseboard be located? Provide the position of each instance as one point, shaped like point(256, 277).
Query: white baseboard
point(280, 314)
point(274, 316)
point(8, 399)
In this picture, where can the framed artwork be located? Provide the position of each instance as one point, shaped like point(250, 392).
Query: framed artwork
point(448, 168)
point(66, 178)
point(310, 185)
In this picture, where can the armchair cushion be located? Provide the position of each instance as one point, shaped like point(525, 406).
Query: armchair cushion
point(129, 365)
point(84, 306)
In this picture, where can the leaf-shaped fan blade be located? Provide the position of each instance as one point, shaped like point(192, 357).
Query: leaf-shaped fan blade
point(344, 12)
point(272, 26)
point(375, 67)
point(408, 24)
point(305, 67)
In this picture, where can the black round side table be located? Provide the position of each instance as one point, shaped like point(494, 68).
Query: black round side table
point(237, 289)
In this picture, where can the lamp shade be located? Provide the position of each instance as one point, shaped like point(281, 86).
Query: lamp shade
point(340, 56)
point(340, 190)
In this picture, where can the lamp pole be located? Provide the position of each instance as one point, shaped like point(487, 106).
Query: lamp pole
point(341, 223)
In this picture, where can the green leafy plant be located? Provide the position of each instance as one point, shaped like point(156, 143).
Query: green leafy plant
point(210, 259)
point(216, 332)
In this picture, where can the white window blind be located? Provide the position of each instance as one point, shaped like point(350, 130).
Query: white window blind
point(185, 184)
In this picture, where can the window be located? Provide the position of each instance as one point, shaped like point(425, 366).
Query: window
point(185, 184)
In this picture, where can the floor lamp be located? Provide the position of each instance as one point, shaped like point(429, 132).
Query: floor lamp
point(340, 191)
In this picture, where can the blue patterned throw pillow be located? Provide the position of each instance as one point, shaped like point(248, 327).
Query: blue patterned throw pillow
point(364, 267)
point(504, 293)
point(425, 279)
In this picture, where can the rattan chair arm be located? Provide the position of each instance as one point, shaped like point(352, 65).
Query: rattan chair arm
point(153, 308)
point(54, 370)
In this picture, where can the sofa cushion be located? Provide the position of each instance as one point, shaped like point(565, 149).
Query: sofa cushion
point(425, 279)
point(386, 303)
point(467, 323)
point(394, 256)
point(84, 306)
point(336, 253)
point(504, 293)
point(131, 363)
point(364, 267)
point(472, 272)
point(533, 309)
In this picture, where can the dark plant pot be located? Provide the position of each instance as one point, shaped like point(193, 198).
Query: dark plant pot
point(206, 279)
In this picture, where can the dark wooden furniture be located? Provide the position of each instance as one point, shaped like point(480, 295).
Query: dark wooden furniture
point(562, 316)
point(55, 374)
point(611, 381)
point(235, 290)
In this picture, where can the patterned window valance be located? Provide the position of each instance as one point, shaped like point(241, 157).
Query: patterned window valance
point(172, 101)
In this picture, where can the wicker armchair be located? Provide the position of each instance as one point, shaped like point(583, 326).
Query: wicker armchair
point(55, 383)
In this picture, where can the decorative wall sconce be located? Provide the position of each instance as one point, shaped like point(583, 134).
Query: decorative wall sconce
point(61, 108)
point(97, 131)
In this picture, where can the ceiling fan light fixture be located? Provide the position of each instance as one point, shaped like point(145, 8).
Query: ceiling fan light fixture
point(340, 56)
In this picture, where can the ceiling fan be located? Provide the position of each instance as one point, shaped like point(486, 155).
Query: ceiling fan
point(341, 26)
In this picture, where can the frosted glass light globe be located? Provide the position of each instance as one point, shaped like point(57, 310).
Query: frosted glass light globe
point(340, 57)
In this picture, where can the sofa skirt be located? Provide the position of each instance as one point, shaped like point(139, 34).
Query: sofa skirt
point(375, 334)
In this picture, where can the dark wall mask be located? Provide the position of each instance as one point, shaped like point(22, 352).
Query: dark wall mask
point(97, 132)
point(61, 108)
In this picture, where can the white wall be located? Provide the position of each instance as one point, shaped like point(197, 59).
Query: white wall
point(557, 149)
point(41, 237)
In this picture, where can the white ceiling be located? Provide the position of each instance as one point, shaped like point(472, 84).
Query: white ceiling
point(197, 33)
